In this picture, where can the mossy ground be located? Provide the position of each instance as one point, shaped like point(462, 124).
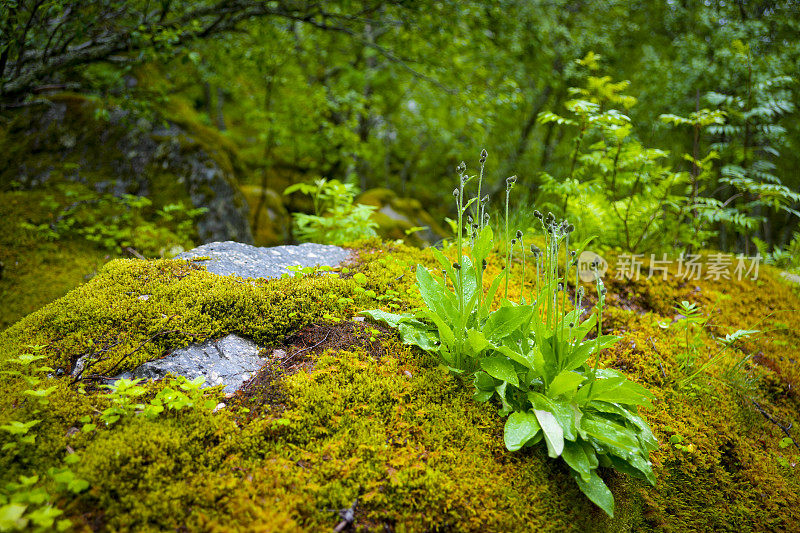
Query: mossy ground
point(378, 421)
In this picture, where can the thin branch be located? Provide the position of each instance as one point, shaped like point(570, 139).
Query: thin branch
point(783, 428)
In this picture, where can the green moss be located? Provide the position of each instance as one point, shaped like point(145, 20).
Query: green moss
point(399, 433)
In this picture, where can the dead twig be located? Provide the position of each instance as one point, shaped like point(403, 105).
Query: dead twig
point(769, 417)
point(295, 354)
point(134, 253)
point(653, 344)
point(348, 517)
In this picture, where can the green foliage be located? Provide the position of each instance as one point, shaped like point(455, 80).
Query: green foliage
point(692, 321)
point(181, 394)
point(642, 198)
point(532, 355)
point(787, 257)
point(115, 223)
point(694, 325)
point(751, 138)
point(336, 219)
point(29, 504)
point(386, 423)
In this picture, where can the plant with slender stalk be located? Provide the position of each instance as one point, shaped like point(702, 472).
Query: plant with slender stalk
point(532, 355)
point(691, 315)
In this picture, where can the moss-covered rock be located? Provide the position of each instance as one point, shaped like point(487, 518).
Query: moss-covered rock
point(271, 222)
point(169, 158)
point(397, 218)
point(376, 421)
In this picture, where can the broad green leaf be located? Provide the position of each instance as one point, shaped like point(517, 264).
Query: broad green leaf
point(628, 392)
point(618, 439)
point(11, 517)
point(501, 393)
point(608, 373)
point(470, 284)
point(487, 302)
point(434, 296)
point(483, 381)
point(635, 466)
point(520, 428)
point(445, 283)
point(584, 327)
point(19, 428)
point(545, 359)
point(645, 434)
point(500, 368)
point(592, 388)
point(390, 319)
point(597, 491)
point(505, 320)
point(477, 340)
point(481, 396)
point(514, 355)
point(580, 458)
point(447, 264)
point(418, 336)
point(565, 413)
point(445, 332)
point(582, 352)
point(45, 516)
point(553, 433)
point(565, 383)
point(483, 244)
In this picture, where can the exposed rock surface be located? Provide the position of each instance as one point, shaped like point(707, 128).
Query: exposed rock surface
point(234, 258)
point(229, 361)
point(232, 360)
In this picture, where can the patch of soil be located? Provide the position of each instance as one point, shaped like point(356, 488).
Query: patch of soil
point(264, 392)
point(625, 296)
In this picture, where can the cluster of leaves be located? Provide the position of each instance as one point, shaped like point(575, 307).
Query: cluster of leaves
point(642, 197)
point(29, 504)
point(641, 192)
point(115, 223)
point(336, 219)
point(180, 394)
point(533, 355)
point(787, 257)
point(749, 141)
point(694, 324)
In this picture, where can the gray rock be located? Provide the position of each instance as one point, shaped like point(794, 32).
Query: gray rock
point(229, 361)
point(232, 360)
point(234, 258)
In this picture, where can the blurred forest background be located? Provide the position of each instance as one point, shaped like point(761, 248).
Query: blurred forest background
point(658, 126)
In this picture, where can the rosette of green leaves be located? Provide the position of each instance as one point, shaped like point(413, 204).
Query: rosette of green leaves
point(533, 358)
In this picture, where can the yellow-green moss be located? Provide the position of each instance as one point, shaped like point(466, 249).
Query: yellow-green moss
point(399, 433)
